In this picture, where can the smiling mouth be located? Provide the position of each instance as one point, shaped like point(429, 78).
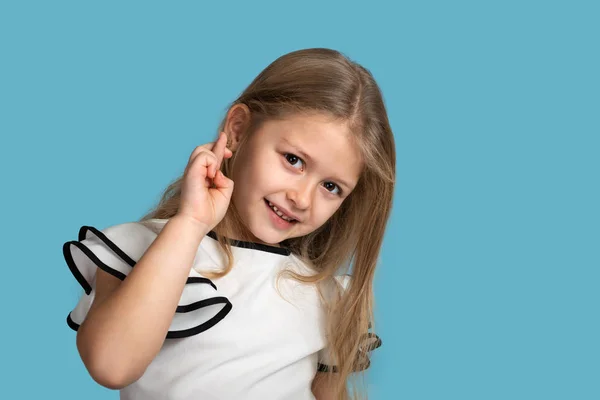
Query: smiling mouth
point(279, 213)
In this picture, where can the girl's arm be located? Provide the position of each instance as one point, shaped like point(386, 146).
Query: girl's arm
point(128, 321)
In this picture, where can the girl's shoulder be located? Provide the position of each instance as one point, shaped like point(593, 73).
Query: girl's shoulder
point(116, 249)
point(129, 240)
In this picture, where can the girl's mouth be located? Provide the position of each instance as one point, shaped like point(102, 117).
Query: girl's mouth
point(277, 212)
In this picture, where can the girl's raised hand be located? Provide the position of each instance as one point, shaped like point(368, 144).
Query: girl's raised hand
point(205, 191)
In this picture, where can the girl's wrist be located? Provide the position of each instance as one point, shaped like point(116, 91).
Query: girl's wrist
point(190, 225)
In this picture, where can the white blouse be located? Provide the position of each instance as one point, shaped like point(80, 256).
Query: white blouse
point(234, 337)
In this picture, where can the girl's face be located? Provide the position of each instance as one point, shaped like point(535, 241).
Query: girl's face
point(305, 166)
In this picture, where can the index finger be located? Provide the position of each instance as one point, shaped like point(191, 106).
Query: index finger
point(219, 149)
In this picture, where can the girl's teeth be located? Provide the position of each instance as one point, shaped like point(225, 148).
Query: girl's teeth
point(279, 212)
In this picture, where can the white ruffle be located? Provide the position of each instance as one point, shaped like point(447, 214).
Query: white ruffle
point(116, 250)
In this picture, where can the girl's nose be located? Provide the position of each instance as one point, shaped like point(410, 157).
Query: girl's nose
point(301, 195)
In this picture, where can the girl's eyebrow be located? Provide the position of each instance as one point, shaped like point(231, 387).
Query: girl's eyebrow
point(310, 159)
point(299, 151)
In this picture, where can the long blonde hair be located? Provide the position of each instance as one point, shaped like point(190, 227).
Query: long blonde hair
point(325, 81)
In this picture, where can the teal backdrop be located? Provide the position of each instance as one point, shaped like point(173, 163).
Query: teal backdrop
point(488, 283)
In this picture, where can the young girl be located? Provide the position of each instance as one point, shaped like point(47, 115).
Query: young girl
point(242, 291)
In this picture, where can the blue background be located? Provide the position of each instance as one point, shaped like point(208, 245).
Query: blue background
point(488, 286)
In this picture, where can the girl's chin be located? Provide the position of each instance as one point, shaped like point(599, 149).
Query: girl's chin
point(271, 239)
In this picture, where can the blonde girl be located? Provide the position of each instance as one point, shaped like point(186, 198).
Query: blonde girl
point(253, 276)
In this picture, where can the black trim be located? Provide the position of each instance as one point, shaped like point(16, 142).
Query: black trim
point(333, 368)
point(82, 236)
point(85, 250)
point(197, 279)
point(72, 323)
point(201, 304)
point(326, 368)
point(254, 246)
point(121, 276)
point(206, 325)
point(375, 345)
point(87, 288)
point(191, 331)
point(361, 353)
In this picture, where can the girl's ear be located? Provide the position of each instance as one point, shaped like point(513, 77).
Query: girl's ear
point(236, 125)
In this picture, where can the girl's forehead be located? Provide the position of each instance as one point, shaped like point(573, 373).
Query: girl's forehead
point(308, 128)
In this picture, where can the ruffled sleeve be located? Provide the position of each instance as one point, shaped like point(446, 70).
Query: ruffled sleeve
point(369, 342)
point(116, 250)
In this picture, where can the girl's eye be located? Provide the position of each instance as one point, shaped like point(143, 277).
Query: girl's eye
point(330, 186)
point(297, 163)
point(293, 159)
